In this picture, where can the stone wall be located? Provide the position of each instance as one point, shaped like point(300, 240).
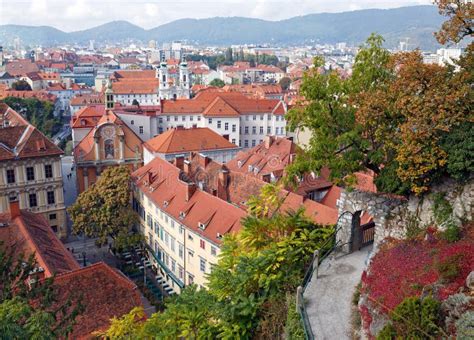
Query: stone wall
point(394, 215)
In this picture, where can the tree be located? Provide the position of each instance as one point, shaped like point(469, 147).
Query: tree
point(38, 113)
point(135, 102)
point(21, 85)
point(285, 83)
point(229, 56)
point(104, 211)
point(460, 21)
point(30, 309)
point(128, 326)
point(390, 117)
point(217, 82)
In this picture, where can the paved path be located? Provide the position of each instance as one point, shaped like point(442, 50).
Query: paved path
point(328, 299)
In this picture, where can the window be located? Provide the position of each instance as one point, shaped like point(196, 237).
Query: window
point(209, 120)
point(51, 199)
point(269, 129)
point(213, 251)
point(160, 120)
point(10, 176)
point(233, 140)
point(246, 143)
point(247, 118)
point(261, 130)
point(172, 244)
point(180, 272)
point(202, 244)
point(181, 230)
point(253, 142)
point(132, 122)
point(190, 255)
point(109, 148)
point(202, 265)
point(218, 124)
point(191, 118)
point(173, 266)
point(140, 129)
point(48, 171)
point(190, 279)
point(190, 237)
point(54, 228)
point(261, 117)
point(234, 128)
point(269, 117)
point(30, 173)
point(167, 118)
point(254, 130)
point(246, 130)
point(254, 117)
point(282, 130)
point(175, 118)
point(183, 118)
point(226, 126)
point(199, 118)
point(33, 201)
point(52, 216)
point(277, 130)
point(180, 250)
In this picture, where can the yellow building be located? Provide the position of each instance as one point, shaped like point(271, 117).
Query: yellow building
point(183, 224)
point(30, 170)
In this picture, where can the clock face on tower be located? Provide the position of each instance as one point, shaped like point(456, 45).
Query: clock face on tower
point(108, 132)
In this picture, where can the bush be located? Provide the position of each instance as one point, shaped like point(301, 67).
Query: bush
point(452, 233)
point(414, 318)
point(465, 326)
point(294, 325)
point(450, 269)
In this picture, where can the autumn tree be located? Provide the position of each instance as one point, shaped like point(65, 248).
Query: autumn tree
point(29, 309)
point(104, 211)
point(285, 83)
point(460, 21)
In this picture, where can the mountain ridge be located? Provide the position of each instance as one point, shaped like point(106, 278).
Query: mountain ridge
point(414, 22)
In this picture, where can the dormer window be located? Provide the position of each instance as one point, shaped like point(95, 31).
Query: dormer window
point(219, 236)
point(250, 168)
point(165, 204)
point(202, 226)
point(239, 164)
point(182, 214)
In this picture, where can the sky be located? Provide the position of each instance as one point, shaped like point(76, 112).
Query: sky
point(73, 15)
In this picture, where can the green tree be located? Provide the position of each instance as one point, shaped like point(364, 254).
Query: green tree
point(217, 82)
point(129, 326)
point(104, 211)
point(30, 309)
point(229, 56)
point(38, 113)
point(21, 85)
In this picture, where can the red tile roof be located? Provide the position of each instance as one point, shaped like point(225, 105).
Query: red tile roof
point(187, 140)
point(21, 67)
point(200, 211)
point(86, 99)
point(30, 233)
point(25, 141)
point(132, 74)
point(105, 293)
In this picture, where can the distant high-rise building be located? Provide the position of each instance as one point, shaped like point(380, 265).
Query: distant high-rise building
point(91, 45)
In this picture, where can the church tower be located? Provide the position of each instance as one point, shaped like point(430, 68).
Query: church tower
point(184, 78)
point(109, 96)
point(163, 80)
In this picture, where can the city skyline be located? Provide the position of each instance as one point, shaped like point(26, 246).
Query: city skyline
point(83, 14)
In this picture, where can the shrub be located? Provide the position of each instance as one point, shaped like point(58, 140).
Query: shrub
point(414, 318)
point(356, 295)
point(452, 233)
point(294, 325)
point(450, 269)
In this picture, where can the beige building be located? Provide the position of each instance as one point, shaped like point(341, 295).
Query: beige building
point(30, 170)
point(182, 223)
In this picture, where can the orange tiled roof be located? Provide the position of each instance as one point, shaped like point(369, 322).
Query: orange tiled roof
point(187, 140)
point(138, 86)
point(21, 67)
point(131, 74)
point(205, 214)
point(85, 99)
point(30, 233)
point(105, 293)
point(25, 141)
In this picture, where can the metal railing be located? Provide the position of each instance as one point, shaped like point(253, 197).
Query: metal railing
point(319, 256)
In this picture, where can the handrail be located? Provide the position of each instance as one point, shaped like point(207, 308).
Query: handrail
point(320, 255)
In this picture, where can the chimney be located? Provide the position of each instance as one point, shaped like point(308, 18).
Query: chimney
point(268, 141)
point(187, 167)
point(190, 190)
point(14, 209)
point(224, 177)
point(179, 162)
point(204, 160)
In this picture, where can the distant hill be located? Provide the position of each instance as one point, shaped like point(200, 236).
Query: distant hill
point(416, 23)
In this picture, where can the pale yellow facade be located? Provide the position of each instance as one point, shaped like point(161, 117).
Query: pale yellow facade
point(42, 192)
point(184, 254)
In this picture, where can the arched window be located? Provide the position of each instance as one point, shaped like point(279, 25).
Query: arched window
point(164, 78)
point(109, 149)
point(184, 78)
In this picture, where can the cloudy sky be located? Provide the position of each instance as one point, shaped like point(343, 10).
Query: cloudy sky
point(71, 15)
